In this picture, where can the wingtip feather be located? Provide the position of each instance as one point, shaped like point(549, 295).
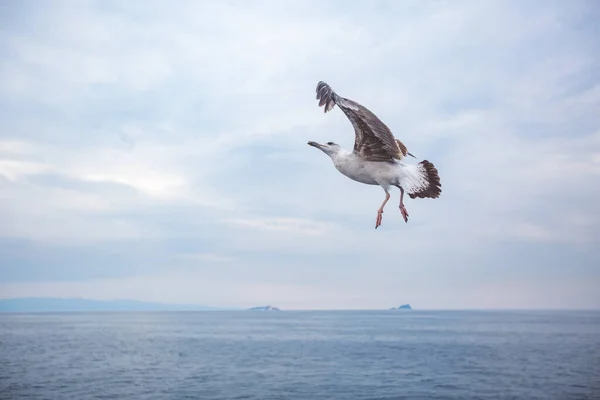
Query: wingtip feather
point(326, 96)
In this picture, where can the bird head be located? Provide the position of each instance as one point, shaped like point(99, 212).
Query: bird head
point(329, 148)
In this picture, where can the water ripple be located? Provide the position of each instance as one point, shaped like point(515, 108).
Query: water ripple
point(301, 355)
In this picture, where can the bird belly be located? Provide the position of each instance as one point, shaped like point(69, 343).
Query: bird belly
point(358, 172)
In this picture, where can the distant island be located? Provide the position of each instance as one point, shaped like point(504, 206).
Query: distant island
point(52, 304)
point(264, 308)
point(402, 307)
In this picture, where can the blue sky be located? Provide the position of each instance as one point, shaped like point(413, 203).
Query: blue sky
point(157, 151)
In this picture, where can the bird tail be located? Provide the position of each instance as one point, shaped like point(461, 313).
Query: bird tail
point(421, 180)
point(326, 96)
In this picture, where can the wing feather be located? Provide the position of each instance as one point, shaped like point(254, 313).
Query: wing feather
point(374, 141)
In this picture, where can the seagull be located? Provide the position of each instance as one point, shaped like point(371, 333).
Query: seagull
point(377, 155)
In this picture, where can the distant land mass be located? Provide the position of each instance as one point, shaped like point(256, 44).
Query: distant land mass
point(264, 308)
point(402, 307)
point(52, 304)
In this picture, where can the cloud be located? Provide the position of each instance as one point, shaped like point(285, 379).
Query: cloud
point(138, 139)
point(293, 225)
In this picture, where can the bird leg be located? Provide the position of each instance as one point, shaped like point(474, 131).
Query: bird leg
point(380, 211)
point(402, 208)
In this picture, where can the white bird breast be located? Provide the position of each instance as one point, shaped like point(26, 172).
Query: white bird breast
point(367, 172)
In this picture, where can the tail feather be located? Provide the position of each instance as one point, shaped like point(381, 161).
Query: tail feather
point(432, 187)
point(421, 180)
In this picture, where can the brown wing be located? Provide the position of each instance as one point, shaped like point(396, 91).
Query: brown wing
point(403, 149)
point(374, 141)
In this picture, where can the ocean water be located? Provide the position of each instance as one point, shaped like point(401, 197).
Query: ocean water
point(301, 355)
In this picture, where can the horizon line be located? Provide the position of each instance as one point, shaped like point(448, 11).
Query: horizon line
point(213, 308)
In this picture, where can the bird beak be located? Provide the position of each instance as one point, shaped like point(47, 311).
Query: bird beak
point(315, 144)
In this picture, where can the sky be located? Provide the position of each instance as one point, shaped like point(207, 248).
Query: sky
point(157, 151)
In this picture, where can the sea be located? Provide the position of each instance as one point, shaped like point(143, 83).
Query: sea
point(308, 355)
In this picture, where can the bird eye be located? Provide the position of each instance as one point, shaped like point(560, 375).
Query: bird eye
point(329, 143)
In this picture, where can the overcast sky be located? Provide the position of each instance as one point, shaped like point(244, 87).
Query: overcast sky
point(157, 151)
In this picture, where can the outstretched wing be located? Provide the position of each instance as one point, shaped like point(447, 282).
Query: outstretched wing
point(373, 139)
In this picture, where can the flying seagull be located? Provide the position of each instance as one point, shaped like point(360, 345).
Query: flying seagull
point(377, 155)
